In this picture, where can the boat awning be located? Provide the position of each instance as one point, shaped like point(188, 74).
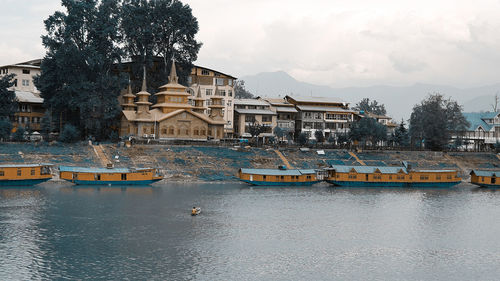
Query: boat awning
point(481, 173)
point(278, 172)
point(99, 170)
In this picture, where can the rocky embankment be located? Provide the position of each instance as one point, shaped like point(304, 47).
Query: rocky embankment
point(213, 163)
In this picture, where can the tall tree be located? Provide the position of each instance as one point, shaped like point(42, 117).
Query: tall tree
point(77, 80)
point(434, 120)
point(240, 92)
point(401, 136)
point(368, 130)
point(154, 32)
point(372, 107)
point(8, 103)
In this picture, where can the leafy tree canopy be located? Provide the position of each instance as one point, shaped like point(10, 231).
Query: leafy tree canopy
point(372, 107)
point(401, 136)
point(8, 104)
point(434, 120)
point(368, 130)
point(240, 92)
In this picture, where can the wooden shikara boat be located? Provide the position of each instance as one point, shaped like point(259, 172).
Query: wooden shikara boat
point(110, 176)
point(24, 174)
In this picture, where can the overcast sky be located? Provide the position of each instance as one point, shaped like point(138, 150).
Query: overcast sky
point(330, 42)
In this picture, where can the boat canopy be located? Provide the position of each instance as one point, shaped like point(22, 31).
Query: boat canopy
point(100, 170)
point(481, 173)
point(368, 169)
point(24, 165)
point(278, 172)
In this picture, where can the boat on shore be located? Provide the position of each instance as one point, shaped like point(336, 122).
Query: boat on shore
point(280, 177)
point(24, 174)
point(110, 176)
point(484, 178)
point(389, 176)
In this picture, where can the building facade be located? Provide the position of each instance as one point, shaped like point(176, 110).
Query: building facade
point(332, 116)
point(173, 116)
point(286, 113)
point(249, 112)
point(483, 132)
point(30, 104)
point(204, 84)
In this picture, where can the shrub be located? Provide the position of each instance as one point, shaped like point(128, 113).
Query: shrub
point(5, 129)
point(19, 134)
point(69, 134)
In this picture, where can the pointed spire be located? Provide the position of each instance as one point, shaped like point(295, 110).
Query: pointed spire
point(129, 89)
point(198, 95)
point(144, 87)
point(173, 74)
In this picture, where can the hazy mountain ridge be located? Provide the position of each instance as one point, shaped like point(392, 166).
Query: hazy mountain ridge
point(399, 101)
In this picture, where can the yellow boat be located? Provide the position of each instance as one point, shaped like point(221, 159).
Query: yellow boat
point(485, 178)
point(280, 177)
point(386, 176)
point(110, 176)
point(24, 174)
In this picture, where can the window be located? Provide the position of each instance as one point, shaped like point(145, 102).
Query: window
point(205, 72)
point(19, 172)
point(221, 93)
point(266, 118)
point(229, 103)
point(26, 71)
point(219, 81)
point(208, 92)
point(124, 177)
point(264, 177)
point(307, 115)
point(15, 82)
point(318, 116)
point(249, 118)
point(2, 173)
point(32, 172)
point(230, 92)
point(230, 82)
point(190, 80)
point(26, 82)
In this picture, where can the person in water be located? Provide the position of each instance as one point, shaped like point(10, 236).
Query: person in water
point(194, 211)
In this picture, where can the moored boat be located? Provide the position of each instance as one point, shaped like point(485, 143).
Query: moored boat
point(485, 178)
point(387, 176)
point(24, 174)
point(279, 177)
point(110, 176)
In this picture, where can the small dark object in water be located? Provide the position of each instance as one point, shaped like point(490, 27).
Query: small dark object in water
point(195, 211)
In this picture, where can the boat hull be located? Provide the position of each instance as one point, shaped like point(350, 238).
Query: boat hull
point(138, 182)
point(267, 183)
point(485, 185)
point(394, 184)
point(26, 182)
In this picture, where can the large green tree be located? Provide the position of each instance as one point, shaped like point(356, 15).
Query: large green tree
point(435, 120)
point(77, 80)
point(368, 130)
point(401, 136)
point(8, 104)
point(372, 107)
point(154, 32)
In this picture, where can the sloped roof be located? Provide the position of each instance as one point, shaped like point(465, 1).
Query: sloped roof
point(481, 173)
point(476, 119)
point(28, 97)
point(286, 109)
point(100, 170)
point(278, 172)
point(250, 102)
point(323, 108)
point(368, 169)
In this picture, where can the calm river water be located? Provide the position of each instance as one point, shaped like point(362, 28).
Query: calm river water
point(243, 233)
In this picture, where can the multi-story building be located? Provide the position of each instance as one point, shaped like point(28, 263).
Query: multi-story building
point(248, 112)
point(483, 132)
point(382, 119)
point(286, 113)
point(207, 83)
point(30, 104)
point(330, 115)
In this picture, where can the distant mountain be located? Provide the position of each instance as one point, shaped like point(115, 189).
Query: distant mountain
point(399, 101)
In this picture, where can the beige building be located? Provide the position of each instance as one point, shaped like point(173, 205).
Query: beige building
point(332, 116)
point(30, 104)
point(173, 116)
point(248, 112)
point(206, 83)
